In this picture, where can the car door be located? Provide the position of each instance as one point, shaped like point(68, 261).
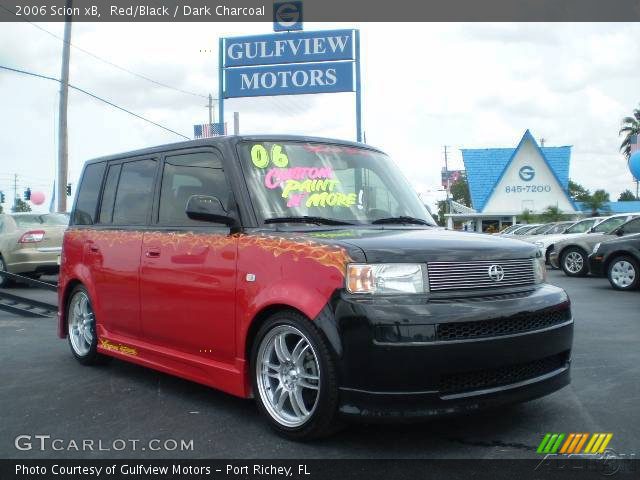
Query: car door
point(113, 247)
point(188, 267)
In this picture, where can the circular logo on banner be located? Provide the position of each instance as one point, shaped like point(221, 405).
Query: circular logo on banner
point(287, 14)
point(527, 173)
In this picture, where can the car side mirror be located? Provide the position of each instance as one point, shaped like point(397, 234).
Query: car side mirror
point(620, 232)
point(208, 208)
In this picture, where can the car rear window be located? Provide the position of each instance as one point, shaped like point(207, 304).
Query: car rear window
point(85, 209)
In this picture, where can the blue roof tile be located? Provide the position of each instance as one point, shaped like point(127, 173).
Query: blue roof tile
point(485, 167)
point(631, 206)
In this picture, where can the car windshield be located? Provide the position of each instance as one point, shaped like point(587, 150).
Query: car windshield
point(525, 230)
point(541, 229)
point(331, 184)
point(510, 229)
point(581, 226)
point(609, 224)
point(41, 219)
point(559, 228)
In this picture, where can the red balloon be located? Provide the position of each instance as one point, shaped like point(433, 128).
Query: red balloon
point(37, 198)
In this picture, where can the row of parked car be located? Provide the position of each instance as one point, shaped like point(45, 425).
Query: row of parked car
point(603, 246)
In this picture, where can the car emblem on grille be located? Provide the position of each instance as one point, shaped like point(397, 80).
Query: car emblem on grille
point(496, 273)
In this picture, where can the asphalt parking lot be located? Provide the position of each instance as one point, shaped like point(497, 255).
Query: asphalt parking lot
point(44, 391)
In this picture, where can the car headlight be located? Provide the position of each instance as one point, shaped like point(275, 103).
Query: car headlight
point(596, 247)
point(386, 278)
point(539, 270)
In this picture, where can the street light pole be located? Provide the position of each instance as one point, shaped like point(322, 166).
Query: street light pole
point(63, 151)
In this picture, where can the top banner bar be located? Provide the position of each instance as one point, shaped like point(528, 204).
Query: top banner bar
point(323, 11)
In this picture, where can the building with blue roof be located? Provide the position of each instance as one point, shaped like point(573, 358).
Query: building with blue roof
point(504, 182)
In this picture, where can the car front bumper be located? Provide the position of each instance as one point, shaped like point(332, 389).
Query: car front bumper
point(408, 358)
point(554, 261)
point(596, 265)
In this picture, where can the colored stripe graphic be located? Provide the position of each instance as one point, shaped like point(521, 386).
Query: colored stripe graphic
point(581, 443)
point(574, 442)
point(598, 443)
point(543, 443)
point(551, 443)
point(568, 443)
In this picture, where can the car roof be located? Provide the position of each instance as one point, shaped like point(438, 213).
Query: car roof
point(229, 140)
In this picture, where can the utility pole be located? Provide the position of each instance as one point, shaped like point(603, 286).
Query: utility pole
point(63, 150)
point(236, 123)
point(446, 168)
point(15, 191)
point(210, 109)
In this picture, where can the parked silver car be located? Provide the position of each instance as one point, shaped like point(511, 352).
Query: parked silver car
point(572, 254)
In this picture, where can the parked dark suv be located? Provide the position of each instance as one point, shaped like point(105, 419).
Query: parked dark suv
point(619, 259)
point(305, 273)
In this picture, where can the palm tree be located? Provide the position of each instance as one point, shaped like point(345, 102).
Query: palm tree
point(630, 128)
point(552, 214)
point(597, 202)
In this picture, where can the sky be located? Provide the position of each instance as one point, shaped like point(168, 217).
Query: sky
point(425, 86)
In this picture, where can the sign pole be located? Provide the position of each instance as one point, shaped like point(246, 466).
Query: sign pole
point(221, 84)
point(358, 88)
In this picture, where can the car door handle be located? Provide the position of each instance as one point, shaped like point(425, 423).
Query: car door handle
point(152, 253)
point(94, 249)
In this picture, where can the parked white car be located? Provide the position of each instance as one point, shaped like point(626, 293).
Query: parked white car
point(546, 242)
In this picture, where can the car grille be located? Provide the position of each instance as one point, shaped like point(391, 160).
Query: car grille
point(447, 276)
point(483, 379)
point(524, 322)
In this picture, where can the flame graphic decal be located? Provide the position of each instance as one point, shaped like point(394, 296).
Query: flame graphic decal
point(326, 255)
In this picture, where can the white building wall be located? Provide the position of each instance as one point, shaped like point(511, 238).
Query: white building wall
point(514, 194)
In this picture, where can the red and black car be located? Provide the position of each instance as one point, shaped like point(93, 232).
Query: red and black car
point(306, 273)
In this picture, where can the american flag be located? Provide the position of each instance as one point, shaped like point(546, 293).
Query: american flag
point(207, 130)
point(635, 144)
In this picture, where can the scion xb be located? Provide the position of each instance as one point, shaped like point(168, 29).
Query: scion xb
point(307, 274)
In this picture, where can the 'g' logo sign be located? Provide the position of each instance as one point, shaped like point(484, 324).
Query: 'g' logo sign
point(527, 173)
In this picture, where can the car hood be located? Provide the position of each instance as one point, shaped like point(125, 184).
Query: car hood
point(552, 239)
point(615, 240)
point(585, 239)
point(425, 244)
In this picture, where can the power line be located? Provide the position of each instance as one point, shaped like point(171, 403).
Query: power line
point(114, 65)
point(45, 77)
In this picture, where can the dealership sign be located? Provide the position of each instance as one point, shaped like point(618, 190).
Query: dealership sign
point(290, 63)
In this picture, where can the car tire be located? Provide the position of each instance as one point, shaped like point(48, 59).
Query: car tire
point(4, 281)
point(81, 328)
point(624, 273)
point(574, 262)
point(294, 378)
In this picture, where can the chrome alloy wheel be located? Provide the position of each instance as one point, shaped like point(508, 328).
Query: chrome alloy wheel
point(574, 262)
point(288, 375)
point(623, 274)
point(81, 324)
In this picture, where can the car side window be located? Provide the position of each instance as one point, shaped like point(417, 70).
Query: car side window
point(198, 173)
point(135, 193)
point(109, 194)
point(632, 227)
point(87, 201)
